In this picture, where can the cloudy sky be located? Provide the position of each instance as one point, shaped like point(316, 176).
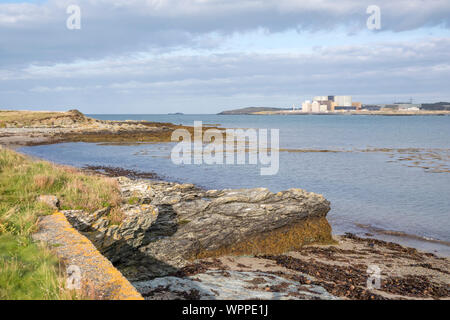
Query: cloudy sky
point(205, 56)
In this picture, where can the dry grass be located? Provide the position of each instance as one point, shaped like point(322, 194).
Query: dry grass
point(23, 116)
point(23, 179)
point(116, 216)
point(26, 116)
point(37, 118)
point(44, 181)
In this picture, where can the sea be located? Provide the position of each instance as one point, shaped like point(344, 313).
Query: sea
point(386, 177)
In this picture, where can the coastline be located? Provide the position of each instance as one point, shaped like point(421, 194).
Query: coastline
point(312, 271)
point(371, 232)
point(346, 113)
point(85, 129)
point(324, 271)
point(73, 126)
point(420, 242)
point(346, 281)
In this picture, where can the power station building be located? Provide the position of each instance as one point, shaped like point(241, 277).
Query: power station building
point(323, 104)
point(306, 106)
point(343, 101)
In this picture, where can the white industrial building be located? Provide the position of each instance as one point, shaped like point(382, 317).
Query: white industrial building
point(322, 104)
point(343, 101)
point(323, 108)
point(306, 106)
point(315, 107)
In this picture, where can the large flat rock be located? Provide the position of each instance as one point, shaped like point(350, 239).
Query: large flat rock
point(167, 225)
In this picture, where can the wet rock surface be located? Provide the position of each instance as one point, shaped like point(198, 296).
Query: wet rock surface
point(121, 172)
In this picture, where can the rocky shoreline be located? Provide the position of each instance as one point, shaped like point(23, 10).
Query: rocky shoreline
point(171, 246)
point(22, 129)
point(315, 272)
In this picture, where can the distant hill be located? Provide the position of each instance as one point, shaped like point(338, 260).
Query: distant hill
point(250, 110)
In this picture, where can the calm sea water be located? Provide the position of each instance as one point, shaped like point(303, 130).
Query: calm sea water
point(374, 189)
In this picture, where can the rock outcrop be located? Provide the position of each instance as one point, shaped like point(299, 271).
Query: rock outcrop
point(166, 225)
point(50, 200)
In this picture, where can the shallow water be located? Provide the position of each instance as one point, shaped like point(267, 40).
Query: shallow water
point(405, 190)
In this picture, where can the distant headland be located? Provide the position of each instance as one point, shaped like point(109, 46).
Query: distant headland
point(328, 107)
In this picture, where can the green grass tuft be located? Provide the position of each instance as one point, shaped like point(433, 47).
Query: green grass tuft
point(29, 270)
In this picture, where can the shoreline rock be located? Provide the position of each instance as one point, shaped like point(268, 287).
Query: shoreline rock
point(158, 247)
point(172, 224)
point(146, 248)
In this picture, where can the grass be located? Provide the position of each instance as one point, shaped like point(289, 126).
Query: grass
point(13, 115)
point(29, 270)
point(30, 116)
point(133, 200)
point(116, 216)
point(27, 117)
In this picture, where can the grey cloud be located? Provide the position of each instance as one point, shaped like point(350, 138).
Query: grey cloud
point(163, 83)
point(352, 59)
point(37, 32)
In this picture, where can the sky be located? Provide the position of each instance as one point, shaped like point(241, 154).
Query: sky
point(206, 56)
